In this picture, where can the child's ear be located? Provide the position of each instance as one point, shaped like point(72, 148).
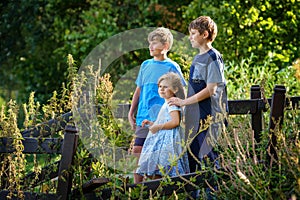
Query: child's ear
point(175, 90)
point(205, 34)
point(166, 48)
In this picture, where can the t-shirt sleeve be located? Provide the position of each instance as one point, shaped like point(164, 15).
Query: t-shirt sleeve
point(215, 72)
point(177, 70)
point(139, 78)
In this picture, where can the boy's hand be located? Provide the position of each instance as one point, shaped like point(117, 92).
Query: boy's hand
point(132, 121)
point(176, 101)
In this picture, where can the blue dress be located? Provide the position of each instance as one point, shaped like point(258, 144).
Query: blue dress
point(163, 149)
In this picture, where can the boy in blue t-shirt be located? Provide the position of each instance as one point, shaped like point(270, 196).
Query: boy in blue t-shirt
point(146, 99)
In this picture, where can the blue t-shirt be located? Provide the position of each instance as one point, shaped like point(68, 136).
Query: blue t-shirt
point(150, 102)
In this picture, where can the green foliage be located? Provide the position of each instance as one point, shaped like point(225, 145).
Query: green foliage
point(242, 75)
point(263, 28)
point(36, 36)
point(259, 41)
point(27, 60)
point(12, 165)
point(241, 157)
point(244, 162)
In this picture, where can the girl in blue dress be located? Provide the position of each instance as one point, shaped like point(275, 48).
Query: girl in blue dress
point(163, 152)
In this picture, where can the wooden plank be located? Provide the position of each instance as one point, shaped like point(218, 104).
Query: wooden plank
point(294, 102)
point(121, 111)
point(47, 173)
point(90, 186)
point(28, 196)
point(47, 128)
point(66, 147)
point(238, 107)
point(199, 182)
point(235, 107)
point(276, 119)
point(160, 185)
point(257, 117)
point(93, 184)
point(33, 145)
point(65, 173)
point(249, 106)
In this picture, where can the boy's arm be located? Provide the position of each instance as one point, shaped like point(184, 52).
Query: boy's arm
point(133, 107)
point(207, 92)
point(200, 96)
point(173, 123)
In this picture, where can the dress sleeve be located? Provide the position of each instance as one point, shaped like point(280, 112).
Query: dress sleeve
point(172, 108)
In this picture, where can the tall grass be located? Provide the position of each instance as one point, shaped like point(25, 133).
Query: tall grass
point(243, 160)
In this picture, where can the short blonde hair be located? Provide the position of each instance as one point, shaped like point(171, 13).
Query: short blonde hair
point(163, 35)
point(175, 82)
point(205, 23)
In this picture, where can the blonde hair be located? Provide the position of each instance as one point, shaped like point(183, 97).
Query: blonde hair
point(163, 35)
point(175, 82)
point(205, 23)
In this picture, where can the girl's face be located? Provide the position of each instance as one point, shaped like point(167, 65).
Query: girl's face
point(196, 38)
point(156, 48)
point(164, 89)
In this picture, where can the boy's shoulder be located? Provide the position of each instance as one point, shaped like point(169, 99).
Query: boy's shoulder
point(168, 61)
point(147, 61)
point(214, 54)
point(173, 62)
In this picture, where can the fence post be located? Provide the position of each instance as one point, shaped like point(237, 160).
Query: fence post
point(65, 173)
point(256, 119)
point(276, 118)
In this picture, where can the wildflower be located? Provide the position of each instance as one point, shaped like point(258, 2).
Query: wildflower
point(243, 177)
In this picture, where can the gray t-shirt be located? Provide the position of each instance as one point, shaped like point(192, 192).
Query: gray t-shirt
point(207, 68)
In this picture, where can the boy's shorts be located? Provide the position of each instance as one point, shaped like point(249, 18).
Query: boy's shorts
point(141, 134)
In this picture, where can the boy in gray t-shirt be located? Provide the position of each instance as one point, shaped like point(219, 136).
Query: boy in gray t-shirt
point(206, 93)
point(206, 96)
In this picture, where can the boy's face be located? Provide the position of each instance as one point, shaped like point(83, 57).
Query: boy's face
point(197, 39)
point(156, 48)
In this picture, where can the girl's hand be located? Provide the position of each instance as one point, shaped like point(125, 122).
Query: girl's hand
point(146, 122)
point(155, 127)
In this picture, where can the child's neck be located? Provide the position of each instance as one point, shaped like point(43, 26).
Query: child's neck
point(160, 57)
point(205, 48)
point(168, 99)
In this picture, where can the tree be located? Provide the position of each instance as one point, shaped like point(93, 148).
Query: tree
point(37, 36)
point(267, 29)
point(30, 36)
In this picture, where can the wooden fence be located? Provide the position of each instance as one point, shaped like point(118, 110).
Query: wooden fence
point(37, 141)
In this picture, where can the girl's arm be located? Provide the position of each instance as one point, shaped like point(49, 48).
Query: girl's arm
point(173, 123)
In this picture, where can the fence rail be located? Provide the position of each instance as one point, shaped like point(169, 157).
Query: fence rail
point(36, 141)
